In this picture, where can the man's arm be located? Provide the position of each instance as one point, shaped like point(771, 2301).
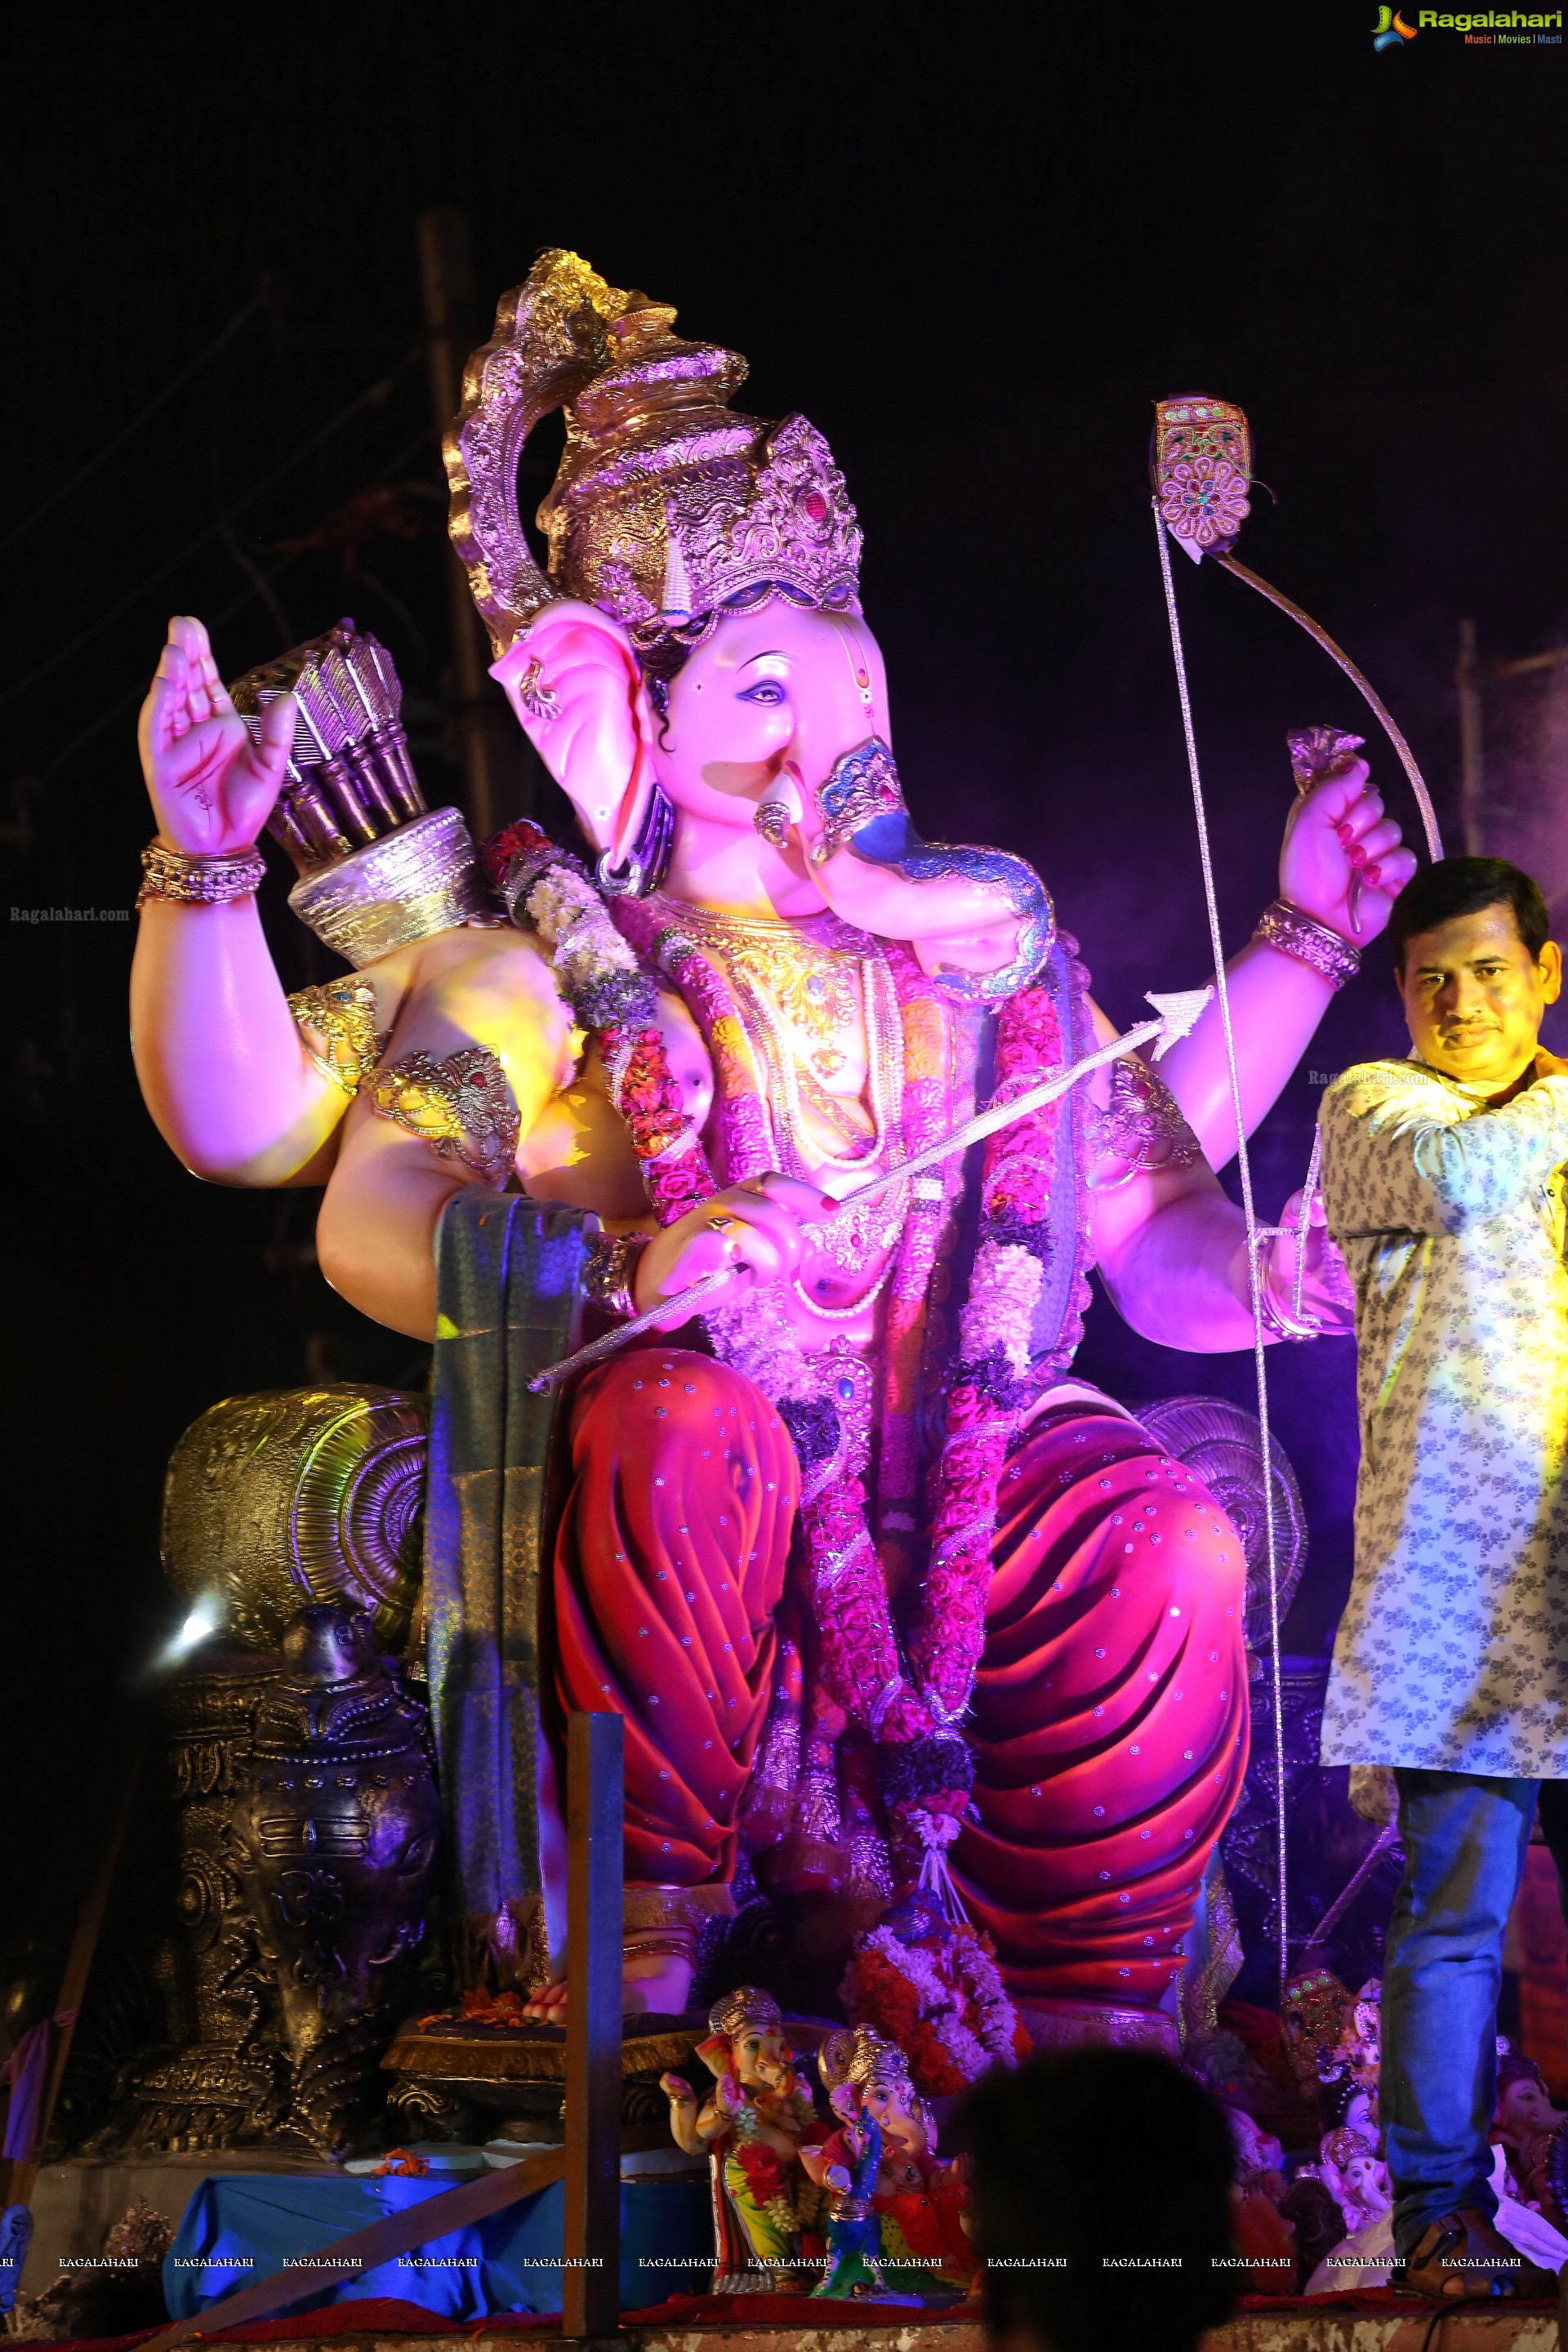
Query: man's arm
point(1399, 1153)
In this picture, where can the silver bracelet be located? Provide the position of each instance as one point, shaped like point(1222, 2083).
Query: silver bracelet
point(1282, 1321)
point(1285, 927)
point(191, 881)
point(609, 1277)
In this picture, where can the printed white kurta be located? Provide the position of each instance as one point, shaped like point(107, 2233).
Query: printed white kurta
point(1453, 1650)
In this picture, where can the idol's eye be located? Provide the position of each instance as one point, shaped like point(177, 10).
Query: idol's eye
point(767, 692)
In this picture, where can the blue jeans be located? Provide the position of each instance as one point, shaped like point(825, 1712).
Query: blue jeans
point(1465, 1839)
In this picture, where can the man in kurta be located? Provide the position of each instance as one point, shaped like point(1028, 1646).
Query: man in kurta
point(1444, 1180)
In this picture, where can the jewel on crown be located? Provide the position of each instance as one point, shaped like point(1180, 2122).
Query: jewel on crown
point(796, 530)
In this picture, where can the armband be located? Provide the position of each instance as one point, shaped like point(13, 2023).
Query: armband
point(462, 1107)
point(341, 1013)
point(1141, 1127)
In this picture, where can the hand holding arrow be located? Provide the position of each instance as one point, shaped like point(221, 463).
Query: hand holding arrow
point(1175, 1015)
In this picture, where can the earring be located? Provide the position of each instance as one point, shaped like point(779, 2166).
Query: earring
point(648, 860)
point(537, 696)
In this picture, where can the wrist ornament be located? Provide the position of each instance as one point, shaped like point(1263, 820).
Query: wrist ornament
point(199, 881)
point(1285, 927)
point(1285, 1322)
point(609, 1277)
point(462, 1107)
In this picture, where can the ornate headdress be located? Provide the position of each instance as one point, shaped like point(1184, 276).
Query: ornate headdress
point(865, 2058)
point(1342, 2147)
point(1312, 2015)
point(668, 507)
point(746, 2010)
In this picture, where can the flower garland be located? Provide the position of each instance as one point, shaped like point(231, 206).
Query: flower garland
point(986, 1396)
point(937, 1992)
point(848, 1584)
point(925, 1769)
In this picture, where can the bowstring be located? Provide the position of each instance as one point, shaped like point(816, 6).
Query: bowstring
point(1254, 1266)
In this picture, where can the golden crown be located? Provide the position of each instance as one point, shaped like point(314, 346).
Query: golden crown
point(669, 507)
point(864, 2058)
point(747, 2009)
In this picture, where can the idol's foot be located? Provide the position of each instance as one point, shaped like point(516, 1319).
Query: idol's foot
point(653, 1983)
point(1464, 2255)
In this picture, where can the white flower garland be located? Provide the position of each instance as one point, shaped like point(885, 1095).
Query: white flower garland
point(973, 2049)
point(1002, 1291)
point(570, 917)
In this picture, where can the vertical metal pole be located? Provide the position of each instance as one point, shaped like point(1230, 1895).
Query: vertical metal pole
point(447, 283)
point(1472, 785)
point(591, 2287)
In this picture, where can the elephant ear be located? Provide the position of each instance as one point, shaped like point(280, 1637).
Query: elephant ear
point(575, 684)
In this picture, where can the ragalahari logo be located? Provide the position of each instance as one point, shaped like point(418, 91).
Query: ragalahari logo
point(1391, 30)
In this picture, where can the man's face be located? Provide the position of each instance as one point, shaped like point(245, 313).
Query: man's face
point(1474, 996)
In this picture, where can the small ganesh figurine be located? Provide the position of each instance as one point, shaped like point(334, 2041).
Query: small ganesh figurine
point(1314, 2016)
point(1360, 2050)
point(894, 2207)
point(751, 2129)
point(847, 2165)
point(1531, 2128)
point(1357, 2178)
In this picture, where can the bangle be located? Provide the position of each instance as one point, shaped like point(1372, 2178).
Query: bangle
point(462, 1107)
point(1283, 1321)
point(1285, 927)
point(863, 786)
point(609, 1277)
point(199, 881)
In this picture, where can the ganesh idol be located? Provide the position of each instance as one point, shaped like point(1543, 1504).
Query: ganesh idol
point(884, 1595)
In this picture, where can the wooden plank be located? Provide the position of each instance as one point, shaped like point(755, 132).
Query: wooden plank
point(364, 2250)
point(590, 2282)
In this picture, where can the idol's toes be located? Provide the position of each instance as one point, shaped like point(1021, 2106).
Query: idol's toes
point(548, 2007)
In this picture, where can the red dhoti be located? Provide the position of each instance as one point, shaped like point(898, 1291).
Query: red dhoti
point(1110, 1720)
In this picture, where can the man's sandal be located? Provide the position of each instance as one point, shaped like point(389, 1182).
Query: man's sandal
point(1463, 2255)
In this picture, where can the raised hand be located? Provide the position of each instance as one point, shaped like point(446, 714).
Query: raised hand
point(1342, 861)
point(212, 788)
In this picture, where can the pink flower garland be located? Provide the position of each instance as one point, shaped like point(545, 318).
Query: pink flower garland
point(983, 1410)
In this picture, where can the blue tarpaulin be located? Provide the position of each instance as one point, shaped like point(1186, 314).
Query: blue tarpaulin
point(241, 2227)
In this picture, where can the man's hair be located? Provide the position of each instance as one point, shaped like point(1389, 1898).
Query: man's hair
point(1101, 2158)
point(1464, 886)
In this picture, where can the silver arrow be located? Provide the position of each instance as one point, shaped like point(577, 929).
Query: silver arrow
point(1174, 1017)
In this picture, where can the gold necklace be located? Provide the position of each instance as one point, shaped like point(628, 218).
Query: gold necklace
point(772, 965)
point(813, 985)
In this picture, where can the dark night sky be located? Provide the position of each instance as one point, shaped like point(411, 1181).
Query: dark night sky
point(974, 245)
